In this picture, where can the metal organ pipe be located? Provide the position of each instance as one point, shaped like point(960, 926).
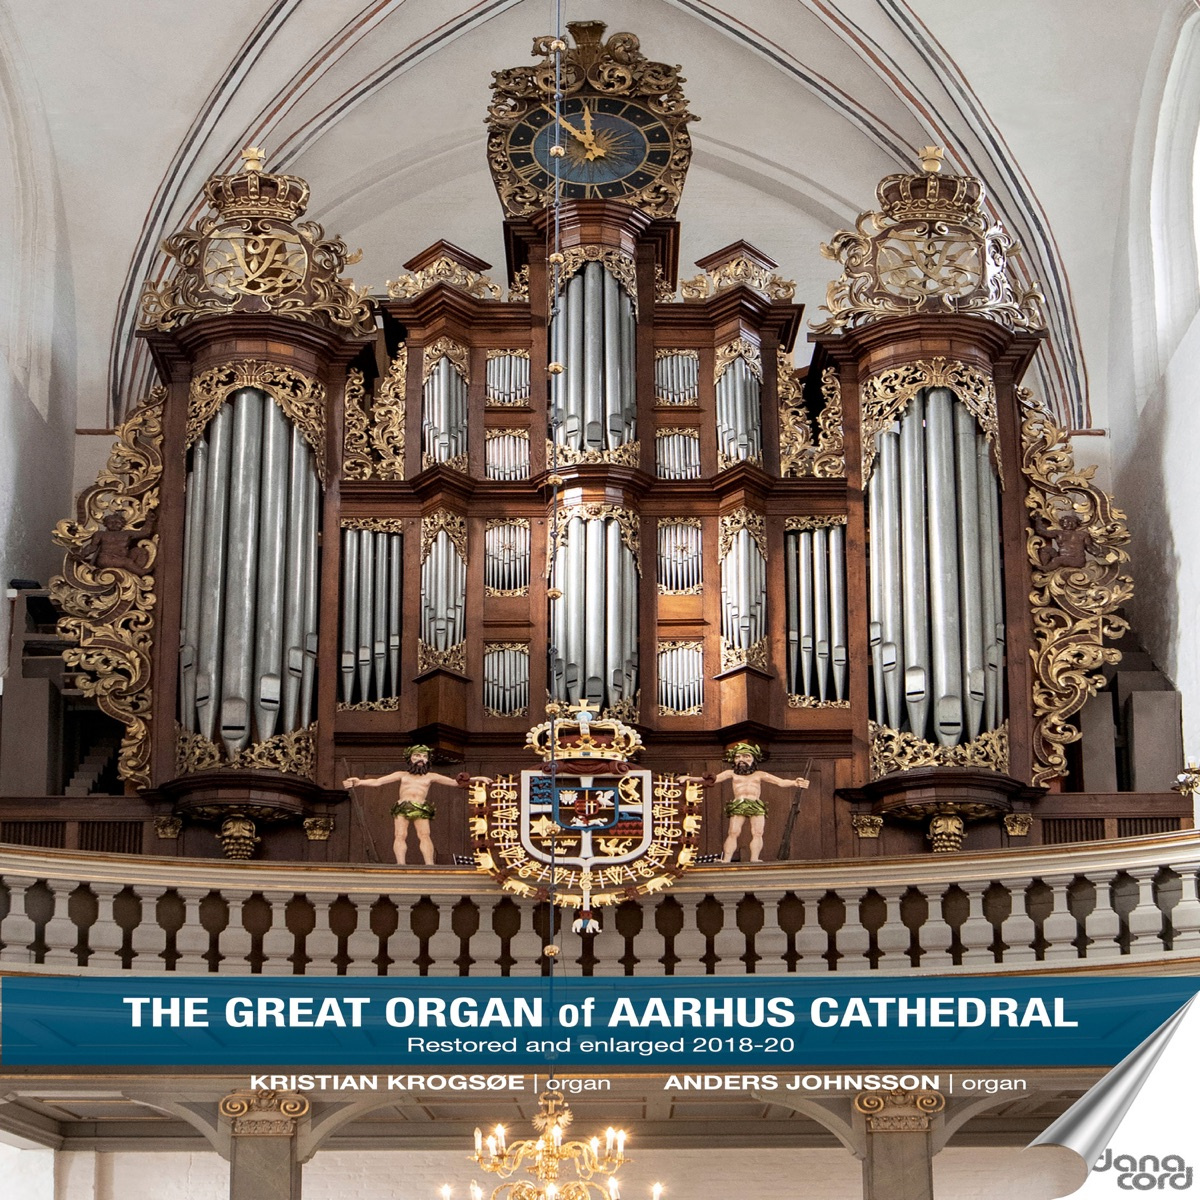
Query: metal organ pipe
point(935, 550)
point(806, 638)
point(815, 581)
point(593, 335)
point(594, 622)
point(820, 559)
point(250, 572)
point(839, 647)
point(914, 567)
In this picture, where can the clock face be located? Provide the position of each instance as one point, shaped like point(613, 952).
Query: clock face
point(613, 147)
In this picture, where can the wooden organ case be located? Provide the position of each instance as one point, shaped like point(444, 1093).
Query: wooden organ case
point(442, 515)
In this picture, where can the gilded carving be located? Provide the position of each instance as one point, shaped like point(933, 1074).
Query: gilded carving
point(387, 419)
point(829, 458)
point(356, 448)
point(593, 66)
point(518, 291)
point(628, 454)
point(387, 704)
point(664, 288)
point(900, 1111)
point(800, 524)
point(740, 271)
point(626, 520)
point(454, 526)
point(795, 701)
point(946, 831)
point(866, 825)
point(107, 588)
point(453, 658)
point(796, 445)
point(444, 269)
point(886, 396)
point(1076, 545)
point(445, 347)
point(734, 522)
point(616, 262)
point(263, 1112)
point(929, 249)
point(741, 348)
point(300, 396)
point(893, 750)
point(318, 829)
point(744, 656)
point(375, 524)
point(168, 828)
point(292, 753)
point(252, 257)
point(1018, 824)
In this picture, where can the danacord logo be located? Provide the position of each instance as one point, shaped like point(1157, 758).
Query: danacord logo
point(1148, 1173)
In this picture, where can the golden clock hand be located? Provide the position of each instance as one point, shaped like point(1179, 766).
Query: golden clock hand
point(579, 137)
point(592, 150)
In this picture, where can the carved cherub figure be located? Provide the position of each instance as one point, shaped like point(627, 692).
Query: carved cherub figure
point(747, 798)
point(1066, 544)
point(413, 804)
point(114, 545)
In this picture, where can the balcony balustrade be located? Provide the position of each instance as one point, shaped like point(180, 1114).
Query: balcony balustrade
point(1102, 905)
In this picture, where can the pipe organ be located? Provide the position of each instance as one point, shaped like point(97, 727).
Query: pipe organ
point(371, 602)
point(592, 329)
point(624, 492)
point(248, 631)
point(818, 654)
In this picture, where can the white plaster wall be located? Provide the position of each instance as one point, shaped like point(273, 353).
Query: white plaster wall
point(27, 1174)
point(158, 1175)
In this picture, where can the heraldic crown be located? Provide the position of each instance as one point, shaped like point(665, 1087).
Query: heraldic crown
point(253, 192)
point(584, 737)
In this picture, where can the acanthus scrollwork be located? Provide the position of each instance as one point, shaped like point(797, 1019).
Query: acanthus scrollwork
point(628, 454)
point(616, 262)
point(107, 588)
point(300, 396)
point(453, 658)
point(886, 396)
point(374, 524)
point(293, 753)
point(627, 522)
point(795, 701)
point(519, 288)
point(829, 458)
point(739, 271)
point(444, 269)
point(373, 445)
point(742, 518)
point(1076, 543)
point(800, 524)
point(744, 656)
point(445, 347)
point(454, 526)
point(895, 750)
point(796, 445)
point(387, 704)
point(254, 257)
point(741, 348)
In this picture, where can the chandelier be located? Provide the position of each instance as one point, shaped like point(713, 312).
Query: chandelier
point(559, 1167)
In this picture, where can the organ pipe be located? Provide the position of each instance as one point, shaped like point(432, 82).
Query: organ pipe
point(594, 623)
point(505, 679)
point(936, 594)
point(677, 377)
point(678, 454)
point(680, 677)
point(506, 382)
point(739, 413)
point(443, 594)
point(680, 556)
point(743, 593)
point(815, 581)
point(248, 644)
point(444, 420)
point(370, 615)
point(593, 335)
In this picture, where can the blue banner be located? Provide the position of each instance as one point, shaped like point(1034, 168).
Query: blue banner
point(706, 1023)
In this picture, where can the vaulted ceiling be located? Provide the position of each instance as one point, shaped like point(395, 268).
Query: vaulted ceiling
point(804, 104)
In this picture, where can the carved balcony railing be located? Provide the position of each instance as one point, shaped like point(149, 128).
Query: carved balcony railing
point(1128, 904)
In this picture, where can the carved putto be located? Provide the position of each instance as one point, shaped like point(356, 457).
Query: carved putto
point(929, 249)
point(255, 256)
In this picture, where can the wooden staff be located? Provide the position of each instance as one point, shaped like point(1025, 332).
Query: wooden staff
point(785, 842)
